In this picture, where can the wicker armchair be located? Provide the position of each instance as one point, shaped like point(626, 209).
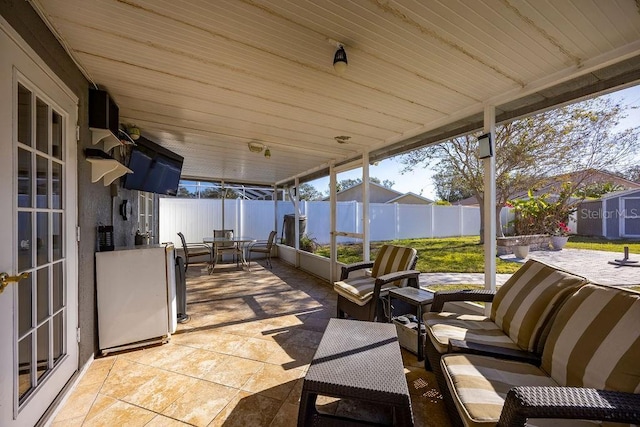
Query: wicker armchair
point(358, 297)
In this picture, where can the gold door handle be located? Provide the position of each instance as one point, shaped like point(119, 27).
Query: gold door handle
point(5, 279)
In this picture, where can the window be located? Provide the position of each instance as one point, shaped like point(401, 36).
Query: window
point(145, 209)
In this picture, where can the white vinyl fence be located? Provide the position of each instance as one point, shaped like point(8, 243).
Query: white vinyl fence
point(197, 218)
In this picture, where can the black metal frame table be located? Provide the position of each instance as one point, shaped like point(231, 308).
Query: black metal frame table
point(360, 361)
point(416, 297)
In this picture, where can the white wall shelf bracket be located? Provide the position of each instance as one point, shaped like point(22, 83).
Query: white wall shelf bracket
point(105, 135)
point(109, 169)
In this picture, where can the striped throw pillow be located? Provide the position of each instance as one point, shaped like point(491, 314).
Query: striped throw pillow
point(524, 304)
point(594, 340)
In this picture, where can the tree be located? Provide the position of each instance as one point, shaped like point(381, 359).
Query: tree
point(184, 192)
point(576, 137)
point(632, 174)
point(307, 191)
point(348, 183)
point(450, 188)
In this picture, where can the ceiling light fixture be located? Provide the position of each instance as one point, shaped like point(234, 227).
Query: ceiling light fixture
point(133, 131)
point(267, 153)
point(340, 60)
point(342, 139)
point(256, 147)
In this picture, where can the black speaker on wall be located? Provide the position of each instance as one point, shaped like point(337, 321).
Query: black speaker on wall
point(103, 111)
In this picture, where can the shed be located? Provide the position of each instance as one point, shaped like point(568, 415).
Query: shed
point(615, 215)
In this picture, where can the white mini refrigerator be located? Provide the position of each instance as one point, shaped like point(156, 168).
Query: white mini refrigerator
point(136, 294)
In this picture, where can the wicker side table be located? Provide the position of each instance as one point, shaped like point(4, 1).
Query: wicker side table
point(356, 360)
point(418, 298)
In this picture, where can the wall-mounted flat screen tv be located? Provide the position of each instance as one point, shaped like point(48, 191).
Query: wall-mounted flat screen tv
point(155, 169)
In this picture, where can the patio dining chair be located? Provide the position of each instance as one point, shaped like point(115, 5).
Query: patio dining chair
point(263, 247)
point(227, 248)
point(359, 297)
point(192, 250)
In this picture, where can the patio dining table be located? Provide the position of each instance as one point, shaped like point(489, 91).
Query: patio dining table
point(239, 241)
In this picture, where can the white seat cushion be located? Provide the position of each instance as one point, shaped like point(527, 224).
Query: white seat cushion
point(441, 327)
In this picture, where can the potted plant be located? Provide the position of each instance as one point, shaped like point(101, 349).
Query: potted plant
point(521, 248)
point(559, 235)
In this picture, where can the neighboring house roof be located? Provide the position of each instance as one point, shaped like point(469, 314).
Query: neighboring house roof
point(469, 201)
point(553, 184)
point(411, 199)
point(615, 194)
point(585, 177)
point(377, 193)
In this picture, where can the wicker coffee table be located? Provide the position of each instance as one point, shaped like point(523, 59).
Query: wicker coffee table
point(360, 361)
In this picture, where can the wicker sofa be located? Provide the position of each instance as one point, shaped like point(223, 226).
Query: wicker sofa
point(588, 368)
point(521, 311)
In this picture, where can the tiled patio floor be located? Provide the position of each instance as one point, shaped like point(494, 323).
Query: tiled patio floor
point(239, 361)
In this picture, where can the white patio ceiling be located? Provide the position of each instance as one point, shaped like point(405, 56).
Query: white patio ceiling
point(204, 78)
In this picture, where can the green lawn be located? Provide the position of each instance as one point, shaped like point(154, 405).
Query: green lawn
point(449, 255)
point(465, 254)
point(596, 244)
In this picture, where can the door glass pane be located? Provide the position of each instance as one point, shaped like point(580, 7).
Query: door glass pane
point(43, 349)
point(25, 248)
point(56, 135)
point(42, 296)
point(58, 343)
point(58, 290)
point(42, 182)
point(24, 178)
point(24, 366)
point(56, 185)
point(25, 302)
point(24, 115)
point(42, 126)
point(43, 238)
point(56, 235)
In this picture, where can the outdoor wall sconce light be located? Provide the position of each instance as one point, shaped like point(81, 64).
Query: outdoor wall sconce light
point(340, 60)
point(485, 146)
point(267, 153)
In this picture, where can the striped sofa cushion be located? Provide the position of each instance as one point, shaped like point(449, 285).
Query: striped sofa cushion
point(595, 340)
point(394, 258)
point(441, 327)
point(479, 384)
point(524, 304)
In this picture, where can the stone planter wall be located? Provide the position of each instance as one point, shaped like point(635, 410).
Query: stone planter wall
point(537, 242)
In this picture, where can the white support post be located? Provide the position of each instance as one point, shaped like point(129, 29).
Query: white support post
point(489, 164)
point(296, 228)
point(275, 209)
point(366, 255)
point(333, 264)
point(224, 194)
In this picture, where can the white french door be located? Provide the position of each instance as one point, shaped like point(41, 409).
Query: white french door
point(38, 216)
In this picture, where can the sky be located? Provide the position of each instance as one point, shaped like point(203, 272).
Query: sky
point(419, 180)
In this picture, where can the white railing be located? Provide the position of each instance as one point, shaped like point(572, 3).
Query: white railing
point(197, 218)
